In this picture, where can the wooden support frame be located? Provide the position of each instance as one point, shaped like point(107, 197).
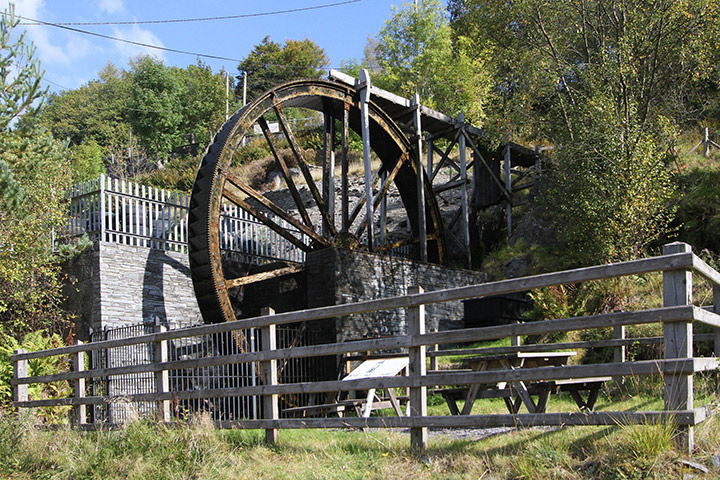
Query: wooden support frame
point(464, 211)
point(420, 173)
point(507, 164)
point(20, 390)
point(328, 179)
point(344, 167)
point(365, 87)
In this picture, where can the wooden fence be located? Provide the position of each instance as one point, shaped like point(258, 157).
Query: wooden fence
point(678, 365)
point(119, 211)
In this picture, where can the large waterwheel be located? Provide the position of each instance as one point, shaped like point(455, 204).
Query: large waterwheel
point(217, 188)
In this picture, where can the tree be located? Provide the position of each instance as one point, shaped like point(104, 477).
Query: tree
point(270, 64)
point(34, 174)
point(416, 54)
point(96, 112)
point(602, 80)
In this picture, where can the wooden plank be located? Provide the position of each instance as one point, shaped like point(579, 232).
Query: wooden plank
point(162, 377)
point(705, 270)
point(460, 293)
point(680, 417)
point(647, 367)
point(304, 167)
point(508, 186)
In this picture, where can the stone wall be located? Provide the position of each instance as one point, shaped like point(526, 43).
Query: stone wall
point(339, 276)
point(118, 285)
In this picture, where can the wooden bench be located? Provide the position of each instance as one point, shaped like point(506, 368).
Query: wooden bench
point(541, 389)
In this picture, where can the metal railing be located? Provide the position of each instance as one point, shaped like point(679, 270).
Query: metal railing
point(124, 212)
point(678, 365)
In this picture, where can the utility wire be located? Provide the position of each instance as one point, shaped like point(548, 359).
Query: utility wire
point(202, 19)
point(131, 42)
point(156, 47)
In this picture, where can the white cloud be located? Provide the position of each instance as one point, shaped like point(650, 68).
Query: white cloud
point(111, 6)
point(51, 47)
point(137, 34)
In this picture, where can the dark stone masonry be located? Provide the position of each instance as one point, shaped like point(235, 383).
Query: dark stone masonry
point(337, 276)
point(119, 285)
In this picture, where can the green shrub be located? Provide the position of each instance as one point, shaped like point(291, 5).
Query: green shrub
point(33, 342)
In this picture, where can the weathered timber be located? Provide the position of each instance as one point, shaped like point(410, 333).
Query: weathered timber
point(259, 277)
point(673, 314)
point(645, 367)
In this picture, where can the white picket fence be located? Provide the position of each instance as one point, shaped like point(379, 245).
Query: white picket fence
point(119, 211)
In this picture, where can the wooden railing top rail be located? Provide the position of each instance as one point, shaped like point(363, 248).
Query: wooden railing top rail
point(668, 314)
point(679, 261)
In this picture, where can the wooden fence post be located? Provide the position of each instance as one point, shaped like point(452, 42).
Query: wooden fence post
point(162, 377)
point(678, 343)
point(619, 352)
point(270, 377)
point(20, 392)
point(716, 309)
point(78, 364)
point(417, 368)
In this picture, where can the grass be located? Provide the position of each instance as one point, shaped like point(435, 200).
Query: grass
point(142, 449)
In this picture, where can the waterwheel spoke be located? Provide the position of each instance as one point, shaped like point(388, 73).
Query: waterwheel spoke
point(304, 168)
point(266, 220)
point(383, 191)
point(285, 173)
point(274, 208)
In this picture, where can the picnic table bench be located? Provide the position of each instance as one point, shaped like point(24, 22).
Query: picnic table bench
point(374, 368)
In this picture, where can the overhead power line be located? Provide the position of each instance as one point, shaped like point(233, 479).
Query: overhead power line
point(202, 19)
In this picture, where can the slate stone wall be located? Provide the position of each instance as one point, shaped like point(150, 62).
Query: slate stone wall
point(339, 276)
point(119, 285)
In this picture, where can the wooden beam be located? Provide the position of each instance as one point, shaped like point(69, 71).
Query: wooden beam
point(367, 160)
point(382, 194)
point(328, 180)
point(285, 173)
point(479, 156)
point(344, 169)
point(285, 126)
point(259, 277)
point(420, 175)
point(465, 212)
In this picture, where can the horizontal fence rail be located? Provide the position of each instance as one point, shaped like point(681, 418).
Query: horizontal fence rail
point(677, 364)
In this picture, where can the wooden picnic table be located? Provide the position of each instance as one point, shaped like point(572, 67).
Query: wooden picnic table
point(517, 393)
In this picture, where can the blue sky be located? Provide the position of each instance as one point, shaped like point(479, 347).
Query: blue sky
point(72, 59)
